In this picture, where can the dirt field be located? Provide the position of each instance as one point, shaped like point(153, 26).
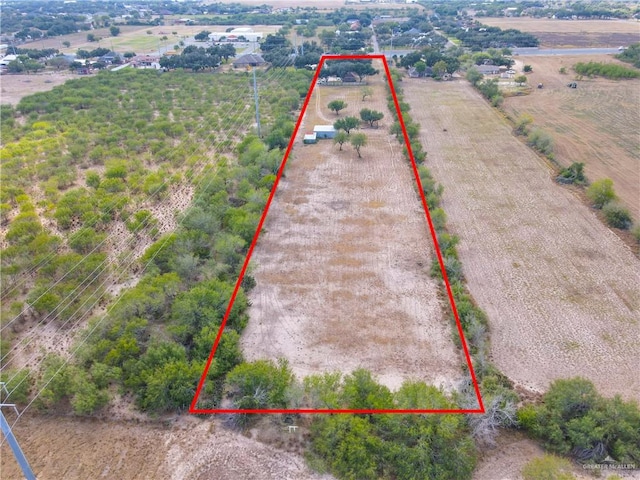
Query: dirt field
point(561, 291)
point(342, 268)
point(14, 87)
point(513, 451)
point(573, 33)
point(596, 123)
point(185, 448)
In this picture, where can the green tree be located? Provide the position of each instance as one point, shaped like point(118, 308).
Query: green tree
point(601, 192)
point(91, 37)
point(202, 36)
point(66, 43)
point(358, 140)
point(115, 31)
point(348, 445)
point(371, 116)
point(260, 384)
point(440, 68)
point(617, 216)
point(59, 62)
point(474, 76)
point(337, 105)
point(575, 420)
point(520, 79)
point(340, 138)
point(548, 467)
point(347, 124)
point(527, 69)
point(366, 92)
point(420, 67)
point(522, 124)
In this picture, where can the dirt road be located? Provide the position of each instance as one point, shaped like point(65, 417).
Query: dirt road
point(562, 292)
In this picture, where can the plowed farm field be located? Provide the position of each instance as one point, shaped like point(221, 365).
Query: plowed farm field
point(596, 124)
point(554, 33)
point(342, 266)
point(561, 291)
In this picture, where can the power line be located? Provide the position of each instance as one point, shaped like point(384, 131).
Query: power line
point(11, 439)
point(276, 76)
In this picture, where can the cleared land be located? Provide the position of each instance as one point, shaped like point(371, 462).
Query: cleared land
point(596, 123)
point(183, 448)
point(572, 33)
point(561, 291)
point(342, 268)
point(15, 87)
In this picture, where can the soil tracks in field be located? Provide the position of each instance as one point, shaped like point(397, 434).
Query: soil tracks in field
point(562, 292)
point(342, 267)
point(186, 448)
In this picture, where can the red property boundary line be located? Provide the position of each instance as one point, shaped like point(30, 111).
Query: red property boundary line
point(480, 409)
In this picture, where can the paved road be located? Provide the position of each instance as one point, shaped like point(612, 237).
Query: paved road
point(563, 51)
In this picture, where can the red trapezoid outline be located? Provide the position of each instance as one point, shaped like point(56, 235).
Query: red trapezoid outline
point(480, 409)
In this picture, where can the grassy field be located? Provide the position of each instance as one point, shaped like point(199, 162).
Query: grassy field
point(596, 123)
point(561, 291)
point(136, 38)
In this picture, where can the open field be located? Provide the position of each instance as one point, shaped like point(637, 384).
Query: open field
point(14, 87)
point(514, 450)
point(185, 447)
point(572, 33)
point(342, 268)
point(136, 38)
point(320, 5)
point(596, 123)
point(561, 291)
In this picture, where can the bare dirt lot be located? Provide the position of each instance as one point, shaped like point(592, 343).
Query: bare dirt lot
point(513, 451)
point(561, 291)
point(596, 123)
point(342, 268)
point(185, 448)
point(14, 87)
point(573, 33)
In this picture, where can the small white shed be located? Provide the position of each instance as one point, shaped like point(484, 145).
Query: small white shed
point(324, 131)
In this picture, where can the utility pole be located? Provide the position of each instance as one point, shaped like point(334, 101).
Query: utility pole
point(255, 96)
point(11, 439)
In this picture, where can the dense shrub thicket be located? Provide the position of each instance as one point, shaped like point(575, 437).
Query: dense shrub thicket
point(574, 420)
point(607, 70)
point(363, 446)
point(631, 55)
point(101, 149)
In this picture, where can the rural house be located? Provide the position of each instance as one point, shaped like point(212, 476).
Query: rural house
point(488, 69)
point(248, 60)
point(111, 57)
point(350, 77)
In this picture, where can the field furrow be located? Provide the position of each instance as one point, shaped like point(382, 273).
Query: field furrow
point(561, 291)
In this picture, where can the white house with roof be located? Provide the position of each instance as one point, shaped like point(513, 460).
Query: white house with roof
point(236, 34)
